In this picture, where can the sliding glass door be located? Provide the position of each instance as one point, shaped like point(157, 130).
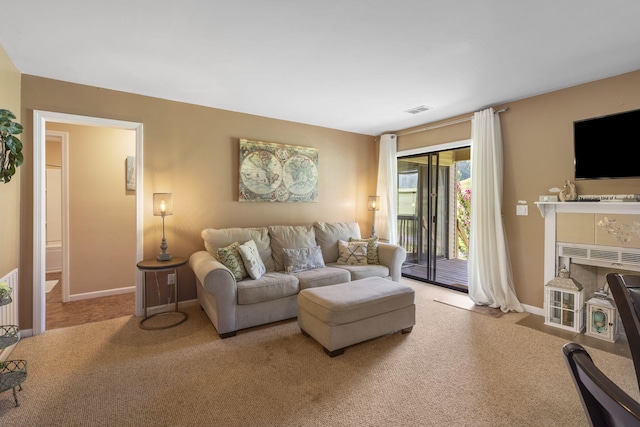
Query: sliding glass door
point(427, 217)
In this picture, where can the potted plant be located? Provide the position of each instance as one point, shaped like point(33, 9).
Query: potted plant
point(5, 293)
point(10, 146)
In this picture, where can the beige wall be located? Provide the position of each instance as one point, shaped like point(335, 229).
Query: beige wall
point(538, 155)
point(102, 213)
point(53, 151)
point(192, 152)
point(9, 193)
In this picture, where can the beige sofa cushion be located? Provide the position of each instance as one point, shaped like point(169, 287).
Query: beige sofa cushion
point(328, 234)
point(289, 237)
point(270, 286)
point(363, 271)
point(322, 277)
point(220, 238)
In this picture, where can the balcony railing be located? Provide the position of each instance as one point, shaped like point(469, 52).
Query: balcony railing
point(408, 229)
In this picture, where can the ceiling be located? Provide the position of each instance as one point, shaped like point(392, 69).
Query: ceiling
point(354, 65)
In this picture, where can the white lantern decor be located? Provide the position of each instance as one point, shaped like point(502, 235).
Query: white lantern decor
point(602, 317)
point(564, 303)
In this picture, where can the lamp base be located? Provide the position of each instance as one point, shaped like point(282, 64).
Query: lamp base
point(164, 256)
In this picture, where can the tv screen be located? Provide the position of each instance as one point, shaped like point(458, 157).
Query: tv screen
point(606, 147)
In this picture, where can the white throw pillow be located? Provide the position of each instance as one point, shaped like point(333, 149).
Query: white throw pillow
point(352, 253)
point(251, 259)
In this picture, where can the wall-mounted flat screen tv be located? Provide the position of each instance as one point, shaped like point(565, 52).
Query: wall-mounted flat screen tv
point(605, 147)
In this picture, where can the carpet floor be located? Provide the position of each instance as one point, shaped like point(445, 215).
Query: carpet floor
point(457, 368)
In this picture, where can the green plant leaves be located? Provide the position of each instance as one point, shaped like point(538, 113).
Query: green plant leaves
point(10, 146)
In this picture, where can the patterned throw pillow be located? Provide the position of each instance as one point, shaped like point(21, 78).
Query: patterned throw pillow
point(231, 259)
point(251, 259)
point(352, 253)
point(372, 249)
point(296, 260)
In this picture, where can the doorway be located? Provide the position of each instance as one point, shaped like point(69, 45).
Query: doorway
point(41, 118)
point(433, 226)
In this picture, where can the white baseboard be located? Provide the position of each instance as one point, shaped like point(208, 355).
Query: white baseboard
point(533, 310)
point(97, 294)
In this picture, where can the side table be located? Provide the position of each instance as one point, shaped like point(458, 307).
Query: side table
point(152, 265)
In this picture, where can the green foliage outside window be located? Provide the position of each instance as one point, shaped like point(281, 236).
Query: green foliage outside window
point(464, 219)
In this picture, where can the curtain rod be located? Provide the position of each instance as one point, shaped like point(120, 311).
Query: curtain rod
point(441, 125)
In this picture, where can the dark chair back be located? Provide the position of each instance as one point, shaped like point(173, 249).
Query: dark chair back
point(604, 403)
point(625, 289)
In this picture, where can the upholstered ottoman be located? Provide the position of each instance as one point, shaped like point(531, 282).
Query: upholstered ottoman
point(338, 316)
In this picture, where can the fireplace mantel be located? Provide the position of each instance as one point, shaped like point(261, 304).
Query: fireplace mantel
point(551, 208)
point(548, 210)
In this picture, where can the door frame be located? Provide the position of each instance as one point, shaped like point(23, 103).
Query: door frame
point(40, 119)
point(64, 214)
point(427, 151)
point(440, 147)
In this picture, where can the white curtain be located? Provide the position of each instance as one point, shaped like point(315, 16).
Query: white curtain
point(386, 221)
point(489, 267)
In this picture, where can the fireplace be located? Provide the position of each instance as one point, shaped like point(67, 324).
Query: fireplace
point(590, 240)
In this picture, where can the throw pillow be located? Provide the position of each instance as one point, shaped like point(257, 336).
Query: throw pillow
point(289, 236)
point(220, 238)
point(230, 257)
point(372, 249)
point(251, 259)
point(328, 234)
point(296, 260)
point(352, 253)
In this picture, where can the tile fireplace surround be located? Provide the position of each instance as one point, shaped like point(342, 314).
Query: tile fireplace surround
point(590, 239)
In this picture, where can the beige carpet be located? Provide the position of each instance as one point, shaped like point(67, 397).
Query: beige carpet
point(456, 368)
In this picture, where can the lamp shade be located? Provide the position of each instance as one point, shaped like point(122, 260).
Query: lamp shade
point(374, 203)
point(162, 204)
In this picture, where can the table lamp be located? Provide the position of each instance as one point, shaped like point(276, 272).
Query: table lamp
point(373, 205)
point(162, 206)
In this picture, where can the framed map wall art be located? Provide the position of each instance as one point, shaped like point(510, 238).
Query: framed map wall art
point(271, 172)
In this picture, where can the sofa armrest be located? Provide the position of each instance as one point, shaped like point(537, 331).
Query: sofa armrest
point(218, 281)
point(392, 256)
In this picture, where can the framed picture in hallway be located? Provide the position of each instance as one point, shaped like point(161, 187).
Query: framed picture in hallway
point(130, 173)
point(272, 172)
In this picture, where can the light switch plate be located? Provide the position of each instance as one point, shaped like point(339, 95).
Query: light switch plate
point(522, 210)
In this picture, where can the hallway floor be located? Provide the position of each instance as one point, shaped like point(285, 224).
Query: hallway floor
point(62, 315)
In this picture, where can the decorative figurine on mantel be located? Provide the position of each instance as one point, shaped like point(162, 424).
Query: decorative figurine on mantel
point(568, 192)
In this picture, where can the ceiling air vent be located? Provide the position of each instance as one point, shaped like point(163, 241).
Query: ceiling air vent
point(418, 110)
